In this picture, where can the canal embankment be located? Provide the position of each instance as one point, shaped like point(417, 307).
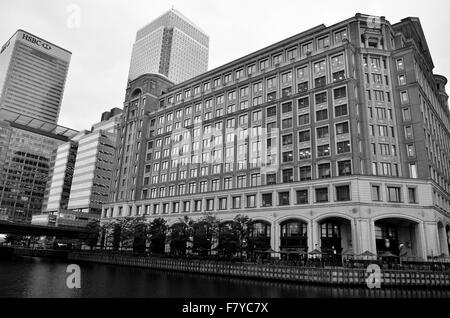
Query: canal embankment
point(6, 251)
point(311, 275)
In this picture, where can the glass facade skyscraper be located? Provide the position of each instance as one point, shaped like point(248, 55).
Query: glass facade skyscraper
point(26, 152)
point(32, 77)
point(172, 46)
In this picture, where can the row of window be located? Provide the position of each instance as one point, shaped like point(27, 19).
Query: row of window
point(287, 107)
point(318, 70)
point(324, 170)
point(342, 193)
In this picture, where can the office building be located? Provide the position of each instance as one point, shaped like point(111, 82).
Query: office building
point(335, 139)
point(172, 46)
point(82, 169)
point(33, 73)
point(26, 149)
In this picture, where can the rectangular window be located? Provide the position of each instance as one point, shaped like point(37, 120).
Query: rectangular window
point(283, 198)
point(340, 35)
point(404, 97)
point(319, 67)
point(412, 197)
point(305, 173)
point(210, 205)
point(303, 103)
point(304, 136)
point(271, 111)
point(400, 65)
point(343, 147)
point(324, 171)
point(323, 132)
point(302, 197)
point(288, 175)
point(413, 170)
point(264, 64)
point(321, 98)
point(376, 193)
point(394, 194)
point(287, 123)
point(307, 48)
point(322, 115)
point(287, 140)
point(286, 77)
point(267, 200)
point(321, 195)
point(320, 82)
point(343, 193)
point(251, 201)
point(236, 202)
point(303, 119)
point(198, 206)
point(303, 87)
point(342, 128)
point(338, 76)
point(345, 168)
point(271, 179)
point(223, 204)
point(323, 43)
point(288, 156)
point(323, 150)
point(304, 153)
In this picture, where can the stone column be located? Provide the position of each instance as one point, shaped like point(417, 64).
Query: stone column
point(443, 240)
point(133, 211)
point(431, 238)
point(363, 236)
point(310, 236)
point(315, 236)
point(115, 211)
point(275, 232)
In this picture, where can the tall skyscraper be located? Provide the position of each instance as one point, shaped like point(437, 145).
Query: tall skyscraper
point(32, 76)
point(172, 46)
point(27, 147)
point(334, 139)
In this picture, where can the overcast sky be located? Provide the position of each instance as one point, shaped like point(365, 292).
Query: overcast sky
point(102, 43)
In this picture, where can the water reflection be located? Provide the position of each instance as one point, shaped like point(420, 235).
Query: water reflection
point(35, 277)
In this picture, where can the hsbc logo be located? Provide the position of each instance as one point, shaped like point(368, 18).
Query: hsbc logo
point(46, 46)
point(37, 42)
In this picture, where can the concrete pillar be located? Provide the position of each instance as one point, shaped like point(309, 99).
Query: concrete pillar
point(310, 236)
point(116, 211)
point(354, 236)
point(133, 211)
point(276, 240)
point(433, 238)
point(443, 241)
point(373, 238)
point(315, 236)
point(363, 235)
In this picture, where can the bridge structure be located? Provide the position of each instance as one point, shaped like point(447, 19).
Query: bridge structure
point(7, 227)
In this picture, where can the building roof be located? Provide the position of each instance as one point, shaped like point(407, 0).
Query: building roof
point(36, 124)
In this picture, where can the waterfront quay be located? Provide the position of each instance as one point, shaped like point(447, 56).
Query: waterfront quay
point(426, 276)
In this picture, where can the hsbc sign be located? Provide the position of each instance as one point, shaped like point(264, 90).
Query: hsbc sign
point(36, 41)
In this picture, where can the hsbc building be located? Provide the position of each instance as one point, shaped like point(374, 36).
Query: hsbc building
point(33, 73)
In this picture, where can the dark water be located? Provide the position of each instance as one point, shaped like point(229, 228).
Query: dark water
point(37, 277)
